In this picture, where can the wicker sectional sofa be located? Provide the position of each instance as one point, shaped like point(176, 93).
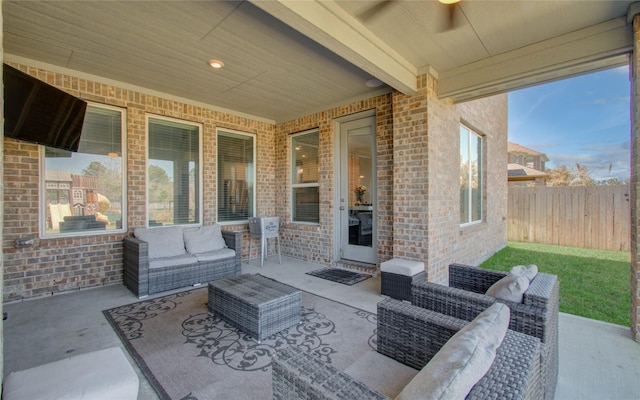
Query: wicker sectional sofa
point(537, 314)
point(413, 336)
point(166, 258)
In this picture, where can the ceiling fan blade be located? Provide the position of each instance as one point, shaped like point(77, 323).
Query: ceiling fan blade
point(451, 14)
point(448, 17)
point(374, 10)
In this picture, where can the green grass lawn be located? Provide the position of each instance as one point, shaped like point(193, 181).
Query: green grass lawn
point(593, 283)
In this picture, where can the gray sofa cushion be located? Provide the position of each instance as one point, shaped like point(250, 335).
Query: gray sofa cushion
point(510, 288)
point(216, 255)
point(175, 261)
point(530, 271)
point(163, 242)
point(204, 239)
point(98, 375)
point(463, 360)
point(381, 373)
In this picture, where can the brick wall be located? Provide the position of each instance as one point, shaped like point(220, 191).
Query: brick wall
point(426, 163)
point(473, 245)
point(316, 243)
point(1, 206)
point(411, 174)
point(57, 265)
point(417, 207)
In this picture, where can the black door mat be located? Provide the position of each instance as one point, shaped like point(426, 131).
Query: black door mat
point(339, 275)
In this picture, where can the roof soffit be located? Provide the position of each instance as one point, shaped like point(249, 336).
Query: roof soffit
point(598, 47)
point(331, 26)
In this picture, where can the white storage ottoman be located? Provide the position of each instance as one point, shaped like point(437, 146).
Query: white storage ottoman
point(99, 375)
point(398, 274)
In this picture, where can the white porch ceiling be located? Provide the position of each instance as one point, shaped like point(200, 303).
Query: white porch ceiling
point(285, 59)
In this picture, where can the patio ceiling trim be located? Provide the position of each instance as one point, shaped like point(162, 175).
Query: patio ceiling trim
point(331, 26)
point(598, 47)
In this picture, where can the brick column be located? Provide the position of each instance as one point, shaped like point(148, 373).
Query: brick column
point(635, 182)
point(1, 206)
point(410, 173)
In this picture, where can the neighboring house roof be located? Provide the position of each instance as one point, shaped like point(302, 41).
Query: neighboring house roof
point(59, 176)
point(515, 148)
point(517, 172)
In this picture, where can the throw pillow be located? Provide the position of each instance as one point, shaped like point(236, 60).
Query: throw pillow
point(204, 239)
point(163, 242)
point(510, 288)
point(530, 271)
point(463, 360)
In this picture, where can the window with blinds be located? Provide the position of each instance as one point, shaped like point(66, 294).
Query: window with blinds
point(84, 191)
point(305, 177)
point(174, 171)
point(236, 176)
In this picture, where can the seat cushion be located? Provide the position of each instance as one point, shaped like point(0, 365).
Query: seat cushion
point(184, 259)
point(463, 360)
point(163, 242)
point(510, 288)
point(216, 255)
point(99, 375)
point(381, 373)
point(530, 271)
point(204, 239)
point(401, 266)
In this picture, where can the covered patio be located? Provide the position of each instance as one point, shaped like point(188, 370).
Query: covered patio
point(597, 359)
point(294, 76)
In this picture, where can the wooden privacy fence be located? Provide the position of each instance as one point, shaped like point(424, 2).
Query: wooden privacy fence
point(596, 217)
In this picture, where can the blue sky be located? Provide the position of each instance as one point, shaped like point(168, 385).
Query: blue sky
point(583, 120)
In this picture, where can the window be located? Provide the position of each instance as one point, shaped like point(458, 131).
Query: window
point(470, 176)
point(529, 162)
point(305, 186)
point(236, 176)
point(173, 173)
point(84, 191)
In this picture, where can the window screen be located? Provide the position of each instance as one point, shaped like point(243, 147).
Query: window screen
point(305, 180)
point(173, 181)
point(236, 176)
point(84, 191)
point(470, 176)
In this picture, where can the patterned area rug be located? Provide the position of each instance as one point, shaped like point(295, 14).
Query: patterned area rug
point(187, 354)
point(339, 275)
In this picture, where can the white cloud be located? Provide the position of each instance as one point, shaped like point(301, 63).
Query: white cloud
point(605, 160)
point(624, 70)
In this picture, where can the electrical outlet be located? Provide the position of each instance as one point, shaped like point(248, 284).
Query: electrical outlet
point(23, 242)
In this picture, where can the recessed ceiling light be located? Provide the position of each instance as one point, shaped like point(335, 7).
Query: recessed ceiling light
point(215, 64)
point(373, 83)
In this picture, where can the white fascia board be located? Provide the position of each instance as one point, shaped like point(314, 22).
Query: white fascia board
point(331, 26)
point(598, 47)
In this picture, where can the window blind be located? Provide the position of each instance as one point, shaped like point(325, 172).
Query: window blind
point(173, 173)
point(236, 176)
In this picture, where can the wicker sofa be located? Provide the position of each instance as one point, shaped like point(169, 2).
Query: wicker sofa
point(465, 298)
point(412, 336)
point(160, 259)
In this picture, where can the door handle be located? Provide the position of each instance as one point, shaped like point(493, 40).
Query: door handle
point(341, 208)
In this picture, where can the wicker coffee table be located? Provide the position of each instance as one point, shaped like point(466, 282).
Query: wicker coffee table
point(255, 304)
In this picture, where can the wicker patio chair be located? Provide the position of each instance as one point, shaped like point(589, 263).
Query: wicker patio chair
point(465, 298)
point(411, 335)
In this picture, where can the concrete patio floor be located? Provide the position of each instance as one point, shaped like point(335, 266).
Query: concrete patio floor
point(597, 360)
